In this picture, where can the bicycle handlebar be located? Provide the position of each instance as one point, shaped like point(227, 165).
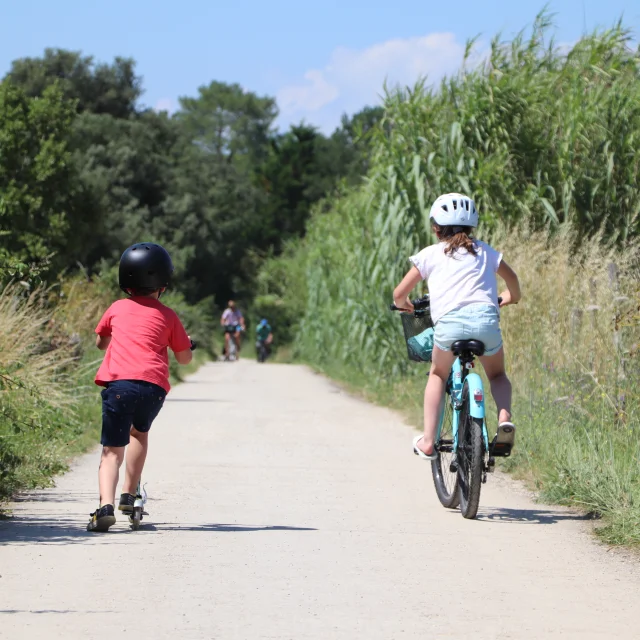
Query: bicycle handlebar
point(418, 303)
point(421, 303)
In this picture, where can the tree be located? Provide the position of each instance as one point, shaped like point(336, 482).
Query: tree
point(352, 142)
point(39, 216)
point(229, 122)
point(96, 88)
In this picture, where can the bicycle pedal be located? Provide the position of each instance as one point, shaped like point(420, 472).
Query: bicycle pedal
point(453, 466)
point(503, 441)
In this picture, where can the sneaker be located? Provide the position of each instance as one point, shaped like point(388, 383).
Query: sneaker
point(127, 501)
point(102, 518)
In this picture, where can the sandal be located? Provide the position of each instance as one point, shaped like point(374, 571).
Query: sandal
point(422, 454)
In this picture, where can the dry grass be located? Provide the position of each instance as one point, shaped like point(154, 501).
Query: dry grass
point(32, 358)
point(573, 295)
point(46, 409)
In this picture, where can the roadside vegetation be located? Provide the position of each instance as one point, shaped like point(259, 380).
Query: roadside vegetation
point(86, 170)
point(313, 232)
point(545, 140)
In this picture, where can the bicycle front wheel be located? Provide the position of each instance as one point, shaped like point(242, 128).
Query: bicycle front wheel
point(469, 457)
point(445, 481)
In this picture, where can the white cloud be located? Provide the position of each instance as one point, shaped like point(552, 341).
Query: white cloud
point(354, 78)
point(166, 104)
point(310, 96)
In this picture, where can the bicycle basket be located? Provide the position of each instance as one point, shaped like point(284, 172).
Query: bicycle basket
point(418, 334)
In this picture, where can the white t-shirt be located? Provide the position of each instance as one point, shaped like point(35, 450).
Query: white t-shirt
point(459, 279)
point(230, 316)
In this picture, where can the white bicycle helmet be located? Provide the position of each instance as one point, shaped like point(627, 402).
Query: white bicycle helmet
point(454, 209)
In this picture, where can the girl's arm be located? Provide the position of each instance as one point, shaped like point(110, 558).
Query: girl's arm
point(512, 295)
point(402, 291)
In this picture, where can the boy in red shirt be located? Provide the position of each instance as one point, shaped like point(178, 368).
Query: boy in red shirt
point(135, 372)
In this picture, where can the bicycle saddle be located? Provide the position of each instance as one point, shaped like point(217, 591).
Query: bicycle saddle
point(467, 346)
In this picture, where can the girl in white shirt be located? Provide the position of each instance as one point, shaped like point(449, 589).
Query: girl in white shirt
point(461, 277)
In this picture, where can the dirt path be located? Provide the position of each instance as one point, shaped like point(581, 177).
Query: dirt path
point(283, 508)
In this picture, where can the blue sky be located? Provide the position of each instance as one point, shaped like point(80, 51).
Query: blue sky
point(319, 58)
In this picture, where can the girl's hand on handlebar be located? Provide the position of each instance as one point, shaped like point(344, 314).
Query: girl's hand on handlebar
point(505, 299)
point(408, 306)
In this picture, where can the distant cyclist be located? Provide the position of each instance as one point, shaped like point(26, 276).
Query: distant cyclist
point(264, 338)
point(233, 322)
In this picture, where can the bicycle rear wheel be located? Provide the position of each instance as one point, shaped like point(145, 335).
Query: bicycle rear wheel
point(469, 458)
point(446, 482)
point(232, 351)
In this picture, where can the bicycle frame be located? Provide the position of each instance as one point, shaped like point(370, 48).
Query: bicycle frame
point(460, 373)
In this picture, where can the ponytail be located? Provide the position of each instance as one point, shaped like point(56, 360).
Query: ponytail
point(456, 238)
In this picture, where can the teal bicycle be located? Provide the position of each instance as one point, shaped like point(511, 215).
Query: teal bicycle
point(465, 455)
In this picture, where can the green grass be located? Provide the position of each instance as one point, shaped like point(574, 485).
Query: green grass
point(38, 439)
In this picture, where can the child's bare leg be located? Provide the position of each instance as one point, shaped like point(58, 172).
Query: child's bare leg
point(433, 395)
point(136, 457)
point(500, 385)
point(109, 472)
point(226, 343)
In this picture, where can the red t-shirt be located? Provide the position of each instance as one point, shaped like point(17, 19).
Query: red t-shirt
point(141, 329)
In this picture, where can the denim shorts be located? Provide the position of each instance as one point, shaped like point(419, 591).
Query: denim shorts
point(473, 322)
point(127, 403)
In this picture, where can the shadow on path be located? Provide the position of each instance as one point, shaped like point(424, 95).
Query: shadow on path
point(52, 611)
point(48, 495)
point(529, 516)
point(166, 526)
point(47, 529)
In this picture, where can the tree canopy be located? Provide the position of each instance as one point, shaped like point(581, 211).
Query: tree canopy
point(86, 171)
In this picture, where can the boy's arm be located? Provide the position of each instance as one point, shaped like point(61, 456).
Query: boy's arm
point(180, 342)
point(103, 330)
point(513, 294)
point(183, 357)
point(102, 342)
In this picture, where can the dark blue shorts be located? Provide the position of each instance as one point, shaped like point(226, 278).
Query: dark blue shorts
point(127, 403)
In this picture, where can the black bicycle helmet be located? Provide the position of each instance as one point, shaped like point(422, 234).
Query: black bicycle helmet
point(145, 266)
